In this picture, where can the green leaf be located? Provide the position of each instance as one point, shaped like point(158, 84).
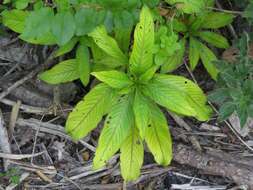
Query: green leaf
point(193, 53)
point(115, 79)
point(108, 45)
point(65, 71)
point(88, 19)
point(158, 138)
point(214, 20)
point(66, 48)
point(131, 156)
point(45, 39)
point(219, 95)
point(14, 19)
point(38, 23)
point(83, 62)
point(142, 56)
point(21, 4)
point(88, 113)
point(145, 77)
point(116, 129)
point(179, 95)
point(215, 39)
point(62, 5)
point(174, 61)
point(141, 112)
point(188, 6)
point(208, 57)
point(226, 110)
point(63, 27)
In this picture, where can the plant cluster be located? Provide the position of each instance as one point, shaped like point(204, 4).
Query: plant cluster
point(135, 85)
point(234, 91)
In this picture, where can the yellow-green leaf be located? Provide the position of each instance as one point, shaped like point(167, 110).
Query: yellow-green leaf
point(193, 53)
point(214, 39)
point(179, 95)
point(108, 45)
point(214, 20)
point(113, 78)
point(88, 113)
point(64, 71)
point(116, 129)
point(158, 137)
point(141, 112)
point(14, 19)
point(83, 62)
point(142, 56)
point(131, 156)
point(66, 48)
point(208, 57)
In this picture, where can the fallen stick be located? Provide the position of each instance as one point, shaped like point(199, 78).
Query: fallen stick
point(239, 173)
point(4, 140)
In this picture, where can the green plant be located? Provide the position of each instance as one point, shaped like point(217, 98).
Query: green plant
point(67, 24)
point(130, 97)
point(194, 29)
point(12, 174)
point(234, 91)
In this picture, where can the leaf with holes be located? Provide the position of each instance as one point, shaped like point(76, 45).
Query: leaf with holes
point(158, 138)
point(88, 113)
point(142, 56)
point(179, 95)
point(131, 156)
point(116, 129)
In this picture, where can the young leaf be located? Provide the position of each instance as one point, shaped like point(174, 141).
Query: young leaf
point(145, 77)
point(108, 45)
point(179, 95)
point(82, 59)
point(14, 19)
point(214, 20)
point(141, 112)
point(193, 53)
point(142, 56)
point(63, 27)
point(88, 113)
point(115, 79)
point(131, 156)
point(117, 128)
point(66, 48)
point(158, 138)
point(174, 61)
point(215, 39)
point(65, 71)
point(208, 57)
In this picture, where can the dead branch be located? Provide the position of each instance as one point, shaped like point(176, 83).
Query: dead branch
point(239, 173)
